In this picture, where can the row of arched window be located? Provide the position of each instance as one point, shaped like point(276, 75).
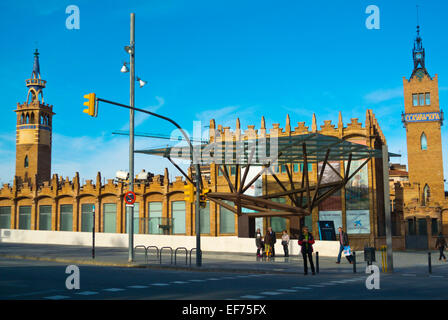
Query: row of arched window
point(28, 118)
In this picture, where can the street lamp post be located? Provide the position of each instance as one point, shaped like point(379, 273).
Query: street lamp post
point(131, 52)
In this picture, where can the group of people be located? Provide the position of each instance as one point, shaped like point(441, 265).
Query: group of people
point(265, 246)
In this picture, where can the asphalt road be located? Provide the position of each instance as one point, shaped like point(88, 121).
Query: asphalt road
point(25, 279)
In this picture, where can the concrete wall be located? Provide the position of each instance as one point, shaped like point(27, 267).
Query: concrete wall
point(217, 244)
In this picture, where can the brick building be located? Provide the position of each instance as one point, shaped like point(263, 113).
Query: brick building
point(38, 200)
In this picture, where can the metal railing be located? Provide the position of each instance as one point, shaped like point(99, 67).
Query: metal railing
point(186, 254)
point(146, 251)
point(157, 251)
point(191, 251)
point(171, 254)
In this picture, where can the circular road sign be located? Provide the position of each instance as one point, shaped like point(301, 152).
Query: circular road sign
point(129, 197)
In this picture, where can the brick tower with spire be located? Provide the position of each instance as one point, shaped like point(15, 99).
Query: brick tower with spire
point(33, 132)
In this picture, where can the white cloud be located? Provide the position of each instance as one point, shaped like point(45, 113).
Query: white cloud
point(383, 95)
point(142, 117)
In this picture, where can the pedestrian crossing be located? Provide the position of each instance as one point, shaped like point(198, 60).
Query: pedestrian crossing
point(266, 294)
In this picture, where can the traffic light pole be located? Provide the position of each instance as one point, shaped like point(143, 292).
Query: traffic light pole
point(197, 217)
point(198, 176)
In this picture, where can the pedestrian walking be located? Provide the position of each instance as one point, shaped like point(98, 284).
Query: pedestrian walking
point(306, 241)
point(272, 240)
point(441, 244)
point(343, 244)
point(259, 242)
point(285, 243)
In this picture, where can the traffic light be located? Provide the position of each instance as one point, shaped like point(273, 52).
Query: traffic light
point(91, 104)
point(203, 198)
point(189, 192)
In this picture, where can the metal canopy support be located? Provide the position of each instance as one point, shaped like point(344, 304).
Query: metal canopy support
point(292, 149)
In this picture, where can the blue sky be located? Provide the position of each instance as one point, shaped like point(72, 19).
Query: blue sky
point(206, 59)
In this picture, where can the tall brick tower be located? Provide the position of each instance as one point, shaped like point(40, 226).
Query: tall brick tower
point(33, 132)
point(423, 120)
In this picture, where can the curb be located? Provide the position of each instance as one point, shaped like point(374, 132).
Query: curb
point(145, 266)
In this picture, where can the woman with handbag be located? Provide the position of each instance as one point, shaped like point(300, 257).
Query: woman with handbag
point(285, 242)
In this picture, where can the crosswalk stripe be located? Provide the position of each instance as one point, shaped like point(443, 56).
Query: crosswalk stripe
point(113, 289)
point(251, 297)
point(302, 288)
point(287, 290)
point(179, 282)
point(87, 293)
point(137, 287)
point(56, 297)
point(315, 285)
point(197, 280)
point(271, 293)
point(160, 284)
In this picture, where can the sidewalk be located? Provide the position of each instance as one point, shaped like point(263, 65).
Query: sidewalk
point(212, 261)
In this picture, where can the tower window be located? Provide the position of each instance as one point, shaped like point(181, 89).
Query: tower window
point(26, 162)
point(415, 100)
point(423, 142)
point(427, 99)
point(422, 99)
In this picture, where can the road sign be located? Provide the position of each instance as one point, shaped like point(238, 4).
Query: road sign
point(129, 197)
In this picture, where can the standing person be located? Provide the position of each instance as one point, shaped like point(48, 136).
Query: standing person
point(343, 242)
point(306, 241)
point(285, 243)
point(267, 244)
point(441, 244)
point(259, 242)
point(272, 240)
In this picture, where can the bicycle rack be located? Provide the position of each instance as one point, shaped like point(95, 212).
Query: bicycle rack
point(191, 251)
point(157, 251)
point(146, 251)
point(171, 252)
point(186, 254)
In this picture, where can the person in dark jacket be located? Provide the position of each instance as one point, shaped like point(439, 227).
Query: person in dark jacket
point(306, 241)
point(343, 242)
point(441, 244)
point(259, 242)
point(270, 235)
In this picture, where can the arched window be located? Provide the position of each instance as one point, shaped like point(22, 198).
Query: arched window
point(423, 142)
point(22, 119)
point(32, 117)
point(27, 118)
point(26, 162)
point(426, 194)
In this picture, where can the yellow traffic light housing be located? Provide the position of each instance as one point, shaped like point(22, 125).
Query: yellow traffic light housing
point(90, 104)
point(189, 193)
point(203, 198)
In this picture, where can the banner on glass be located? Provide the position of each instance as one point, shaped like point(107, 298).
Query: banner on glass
point(358, 221)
